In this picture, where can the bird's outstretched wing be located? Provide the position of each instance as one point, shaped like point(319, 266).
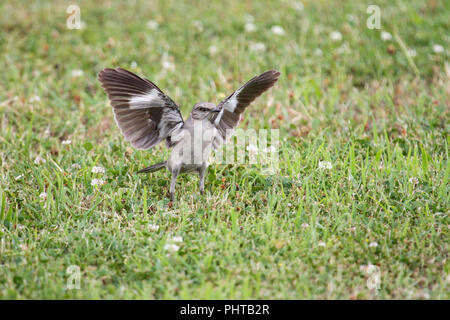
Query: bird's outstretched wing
point(232, 107)
point(144, 114)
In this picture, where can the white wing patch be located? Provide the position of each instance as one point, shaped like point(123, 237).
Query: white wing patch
point(147, 100)
point(231, 104)
point(168, 119)
point(219, 116)
point(177, 133)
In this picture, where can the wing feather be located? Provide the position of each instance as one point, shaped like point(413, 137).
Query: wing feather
point(143, 113)
point(233, 106)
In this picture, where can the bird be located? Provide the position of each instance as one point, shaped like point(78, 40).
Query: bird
point(147, 116)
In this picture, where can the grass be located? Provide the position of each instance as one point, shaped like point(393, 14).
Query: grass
point(379, 116)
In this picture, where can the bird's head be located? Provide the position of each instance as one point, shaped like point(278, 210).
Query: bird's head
point(204, 110)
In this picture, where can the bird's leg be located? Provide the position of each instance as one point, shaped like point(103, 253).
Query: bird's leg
point(201, 173)
point(175, 173)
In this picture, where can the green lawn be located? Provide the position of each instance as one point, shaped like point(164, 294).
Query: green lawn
point(376, 110)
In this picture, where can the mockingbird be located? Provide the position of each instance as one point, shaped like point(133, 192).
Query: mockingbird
point(147, 116)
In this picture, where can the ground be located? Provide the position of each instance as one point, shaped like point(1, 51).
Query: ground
point(358, 208)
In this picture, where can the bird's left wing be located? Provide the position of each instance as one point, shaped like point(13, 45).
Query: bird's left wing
point(144, 114)
point(232, 107)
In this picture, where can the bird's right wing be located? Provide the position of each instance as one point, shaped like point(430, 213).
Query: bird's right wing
point(232, 107)
point(144, 114)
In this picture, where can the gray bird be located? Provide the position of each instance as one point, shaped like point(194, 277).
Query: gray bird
point(146, 116)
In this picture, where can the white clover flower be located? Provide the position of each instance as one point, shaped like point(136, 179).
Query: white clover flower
point(422, 295)
point(98, 170)
point(371, 268)
point(325, 165)
point(258, 46)
point(43, 195)
point(336, 36)
point(386, 36)
point(318, 52)
point(250, 27)
point(351, 18)
point(35, 99)
point(277, 30)
point(368, 268)
point(412, 53)
point(305, 225)
point(289, 204)
point(321, 244)
point(270, 149)
point(97, 182)
point(170, 214)
point(413, 180)
point(177, 239)
point(75, 166)
point(252, 149)
point(437, 48)
point(373, 244)
point(77, 73)
point(39, 160)
point(133, 64)
point(168, 65)
point(298, 5)
point(171, 247)
point(152, 24)
point(21, 194)
point(153, 227)
point(66, 142)
point(213, 50)
point(344, 49)
point(249, 17)
point(198, 24)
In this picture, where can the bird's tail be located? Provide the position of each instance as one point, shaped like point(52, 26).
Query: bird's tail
point(154, 167)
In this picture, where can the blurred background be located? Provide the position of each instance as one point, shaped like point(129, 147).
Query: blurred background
point(200, 51)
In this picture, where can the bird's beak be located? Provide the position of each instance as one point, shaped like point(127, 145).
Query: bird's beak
point(216, 109)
